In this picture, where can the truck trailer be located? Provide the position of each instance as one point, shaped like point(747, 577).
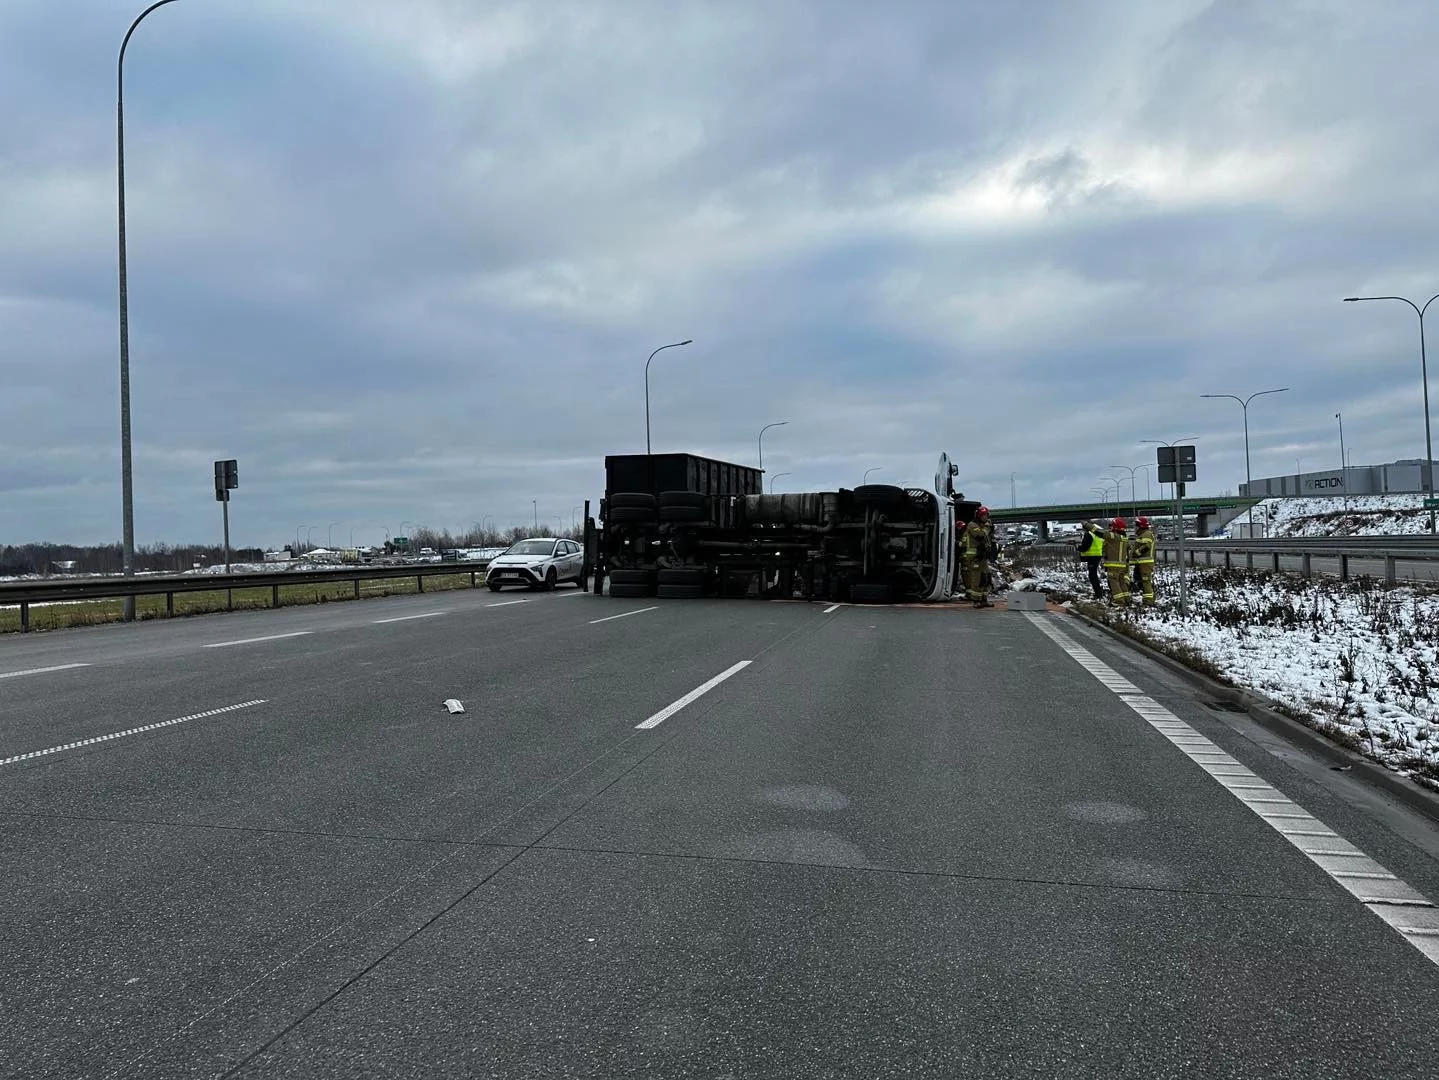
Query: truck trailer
point(681, 526)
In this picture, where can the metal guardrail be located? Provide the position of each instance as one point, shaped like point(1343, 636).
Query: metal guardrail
point(25, 593)
point(1391, 549)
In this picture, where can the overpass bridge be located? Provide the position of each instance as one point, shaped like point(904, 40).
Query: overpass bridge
point(1210, 512)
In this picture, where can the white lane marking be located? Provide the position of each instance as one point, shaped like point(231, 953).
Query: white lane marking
point(1386, 896)
point(622, 614)
point(406, 618)
point(508, 603)
point(253, 640)
point(129, 731)
point(832, 607)
point(699, 691)
point(39, 670)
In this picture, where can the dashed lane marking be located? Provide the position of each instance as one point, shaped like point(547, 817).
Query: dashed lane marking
point(407, 618)
point(832, 607)
point(128, 731)
point(622, 614)
point(509, 603)
point(254, 640)
point(39, 670)
point(1386, 896)
point(699, 691)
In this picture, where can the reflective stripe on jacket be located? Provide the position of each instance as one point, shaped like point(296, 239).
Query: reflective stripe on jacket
point(977, 541)
point(1143, 548)
point(1116, 549)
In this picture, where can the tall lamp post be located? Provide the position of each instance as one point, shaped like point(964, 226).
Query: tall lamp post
point(1424, 374)
point(662, 348)
point(1343, 459)
point(1133, 494)
point(1244, 404)
point(297, 538)
point(1111, 480)
point(127, 479)
point(1103, 493)
point(777, 423)
point(773, 478)
point(330, 535)
point(877, 468)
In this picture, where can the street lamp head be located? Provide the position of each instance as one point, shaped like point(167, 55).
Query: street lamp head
point(687, 341)
point(1351, 299)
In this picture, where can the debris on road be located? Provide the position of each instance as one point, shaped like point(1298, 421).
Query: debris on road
point(454, 705)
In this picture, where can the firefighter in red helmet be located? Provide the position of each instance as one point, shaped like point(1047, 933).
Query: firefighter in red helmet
point(1141, 557)
point(1116, 559)
point(975, 549)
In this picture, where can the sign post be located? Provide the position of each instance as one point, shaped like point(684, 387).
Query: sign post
point(227, 478)
point(1177, 467)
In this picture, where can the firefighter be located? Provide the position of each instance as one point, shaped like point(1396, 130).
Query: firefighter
point(976, 549)
point(1116, 559)
point(1091, 550)
point(1142, 558)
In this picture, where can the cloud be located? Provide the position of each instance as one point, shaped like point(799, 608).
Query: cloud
point(408, 263)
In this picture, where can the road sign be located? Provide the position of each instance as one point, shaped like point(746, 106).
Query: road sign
point(401, 541)
point(1431, 504)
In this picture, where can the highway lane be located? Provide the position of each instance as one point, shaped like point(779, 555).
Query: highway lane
point(1412, 570)
point(897, 843)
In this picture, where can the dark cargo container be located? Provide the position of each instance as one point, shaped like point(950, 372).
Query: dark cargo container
point(654, 473)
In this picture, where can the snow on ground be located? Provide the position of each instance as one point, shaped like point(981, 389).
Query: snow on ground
point(1328, 515)
point(1358, 661)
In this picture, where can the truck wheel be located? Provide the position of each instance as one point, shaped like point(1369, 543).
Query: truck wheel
point(869, 593)
point(619, 515)
point(631, 577)
point(628, 592)
point(682, 576)
point(680, 592)
point(683, 513)
point(693, 499)
point(632, 500)
point(881, 496)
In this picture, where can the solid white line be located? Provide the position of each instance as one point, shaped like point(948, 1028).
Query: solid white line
point(508, 603)
point(832, 607)
point(39, 670)
point(129, 731)
point(622, 614)
point(704, 688)
point(1182, 736)
point(252, 640)
point(405, 618)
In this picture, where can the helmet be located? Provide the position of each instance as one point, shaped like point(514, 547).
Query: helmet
point(1118, 523)
point(982, 512)
point(1143, 522)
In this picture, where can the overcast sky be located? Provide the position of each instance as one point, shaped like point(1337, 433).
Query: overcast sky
point(405, 260)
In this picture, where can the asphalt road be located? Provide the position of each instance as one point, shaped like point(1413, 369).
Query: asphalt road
point(898, 842)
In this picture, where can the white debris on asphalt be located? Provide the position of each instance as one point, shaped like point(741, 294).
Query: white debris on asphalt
point(454, 706)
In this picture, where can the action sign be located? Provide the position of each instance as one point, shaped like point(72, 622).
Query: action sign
point(1176, 465)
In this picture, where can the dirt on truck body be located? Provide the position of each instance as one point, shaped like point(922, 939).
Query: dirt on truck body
point(684, 526)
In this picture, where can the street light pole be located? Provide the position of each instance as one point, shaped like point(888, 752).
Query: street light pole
point(1133, 495)
point(1428, 479)
point(662, 348)
point(773, 478)
point(1248, 479)
point(535, 506)
point(1343, 460)
point(777, 423)
point(877, 468)
point(127, 478)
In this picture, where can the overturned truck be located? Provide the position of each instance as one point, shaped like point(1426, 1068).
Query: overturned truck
point(682, 526)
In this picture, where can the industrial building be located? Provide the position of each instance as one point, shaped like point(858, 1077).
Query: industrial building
point(1396, 477)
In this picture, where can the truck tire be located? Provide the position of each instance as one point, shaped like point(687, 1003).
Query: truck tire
point(682, 498)
point(631, 577)
point(869, 593)
point(632, 500)
point(881, 496)
point(682, 576)
point(683, 513)
point(619, 515)
point(628, 592)
point(680, 592)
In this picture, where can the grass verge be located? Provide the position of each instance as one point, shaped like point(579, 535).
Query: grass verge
point(94, 612)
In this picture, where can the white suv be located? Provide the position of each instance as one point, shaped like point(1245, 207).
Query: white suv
point(540, 563)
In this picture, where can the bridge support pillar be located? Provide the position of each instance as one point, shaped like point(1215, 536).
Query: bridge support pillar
point(1044, 532)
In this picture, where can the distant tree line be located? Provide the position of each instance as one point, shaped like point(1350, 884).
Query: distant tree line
point(16, 559)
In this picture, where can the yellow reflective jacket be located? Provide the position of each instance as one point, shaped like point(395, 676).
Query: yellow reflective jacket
point(1091, 546)
point(1143, 550)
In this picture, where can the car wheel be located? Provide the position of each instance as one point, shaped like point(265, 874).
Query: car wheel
point(551, 580)
point(493, 587)
point(680, 592)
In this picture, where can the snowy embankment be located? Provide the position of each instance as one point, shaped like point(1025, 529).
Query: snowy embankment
point(1357, 661)
point(1360, 515)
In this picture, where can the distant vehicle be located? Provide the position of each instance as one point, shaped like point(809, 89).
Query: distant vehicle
point(537, 563)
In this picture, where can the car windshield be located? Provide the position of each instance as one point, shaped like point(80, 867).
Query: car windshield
point(532, 547)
